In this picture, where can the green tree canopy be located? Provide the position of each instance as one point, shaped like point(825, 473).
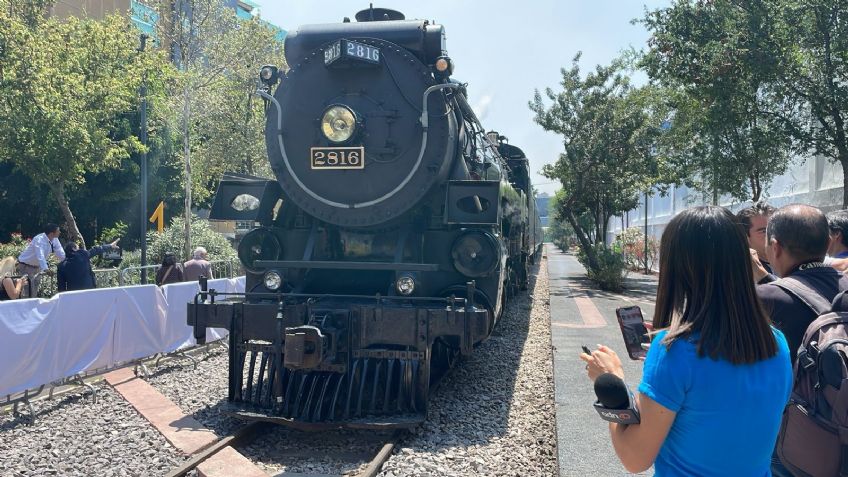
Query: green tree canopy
point(610, 131)
point(65, 89)
point(712, 59)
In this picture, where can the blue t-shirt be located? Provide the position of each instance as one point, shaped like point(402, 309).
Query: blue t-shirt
point(728, 416)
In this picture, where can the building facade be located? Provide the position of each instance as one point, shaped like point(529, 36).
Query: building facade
point(144, 14)
point(815, 181)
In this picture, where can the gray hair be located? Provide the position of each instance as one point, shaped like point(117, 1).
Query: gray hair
point(199, 253)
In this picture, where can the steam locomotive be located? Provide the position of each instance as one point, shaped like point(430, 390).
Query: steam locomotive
point(387, 247)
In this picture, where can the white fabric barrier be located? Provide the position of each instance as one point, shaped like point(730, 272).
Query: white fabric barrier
point(42, 341)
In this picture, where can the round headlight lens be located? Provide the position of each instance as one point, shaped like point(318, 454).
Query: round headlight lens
point(338, 123)
point(272, 280)
point(258, 244)
point(405, 285)
point(475, 254)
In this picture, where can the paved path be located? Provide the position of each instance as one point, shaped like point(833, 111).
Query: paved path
point(581, 314)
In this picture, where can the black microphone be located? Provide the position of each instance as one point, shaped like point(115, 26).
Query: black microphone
point(615, 403)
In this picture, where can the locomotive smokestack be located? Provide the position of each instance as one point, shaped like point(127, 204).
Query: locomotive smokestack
point(372, 14)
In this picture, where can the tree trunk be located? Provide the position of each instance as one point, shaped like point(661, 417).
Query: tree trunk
point(843, 159)
point(187, 158)
point(71, 223)
point(585, 245)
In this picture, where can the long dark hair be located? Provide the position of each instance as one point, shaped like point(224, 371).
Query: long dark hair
point(706, 286)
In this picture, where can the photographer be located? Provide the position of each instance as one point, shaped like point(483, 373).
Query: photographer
point(75, 272)
point(10, 288)
point(717, 376)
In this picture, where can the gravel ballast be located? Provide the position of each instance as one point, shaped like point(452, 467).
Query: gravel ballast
point(74, 436)
point(494, 414)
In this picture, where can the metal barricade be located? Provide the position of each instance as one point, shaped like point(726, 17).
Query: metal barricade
point(128, 275)
point(78, 381)
point(107, 277)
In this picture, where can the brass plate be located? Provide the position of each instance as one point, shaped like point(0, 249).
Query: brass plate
point(330, 158)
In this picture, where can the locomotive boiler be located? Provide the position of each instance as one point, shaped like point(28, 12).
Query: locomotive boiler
point(387, 246)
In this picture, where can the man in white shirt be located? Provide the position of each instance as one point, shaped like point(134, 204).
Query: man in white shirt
point(32, 262)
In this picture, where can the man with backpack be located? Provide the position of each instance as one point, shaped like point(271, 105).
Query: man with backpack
point(797, 242)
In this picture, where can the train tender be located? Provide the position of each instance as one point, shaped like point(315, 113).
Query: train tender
point(395, 231)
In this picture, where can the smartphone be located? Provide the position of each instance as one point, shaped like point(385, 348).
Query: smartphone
point(633, 330)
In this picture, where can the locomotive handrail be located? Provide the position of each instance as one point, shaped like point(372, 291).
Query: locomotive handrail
point(425, 124)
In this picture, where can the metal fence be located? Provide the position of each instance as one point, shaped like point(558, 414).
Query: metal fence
point(118, 277)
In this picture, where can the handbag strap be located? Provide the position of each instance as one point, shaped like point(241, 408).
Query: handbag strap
point(167, 274)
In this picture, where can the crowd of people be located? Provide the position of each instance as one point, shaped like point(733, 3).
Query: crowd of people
point(20, 276)
point(736, 295)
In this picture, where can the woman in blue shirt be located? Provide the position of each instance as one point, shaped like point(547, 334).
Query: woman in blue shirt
point(717, 375)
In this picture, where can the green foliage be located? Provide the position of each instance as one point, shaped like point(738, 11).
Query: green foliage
point(172, 238)
point(116, 231)
point(220, 122)
point(14, 247)
point(65, 87)
point(610, 132)
point(714, 60)
point(609, 272)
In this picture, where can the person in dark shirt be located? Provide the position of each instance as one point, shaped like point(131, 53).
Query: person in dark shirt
point(75, 271)
point(170, 271)
point(837, 221)
point(798, 239)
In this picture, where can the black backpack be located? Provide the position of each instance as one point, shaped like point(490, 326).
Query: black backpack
point(813, 439)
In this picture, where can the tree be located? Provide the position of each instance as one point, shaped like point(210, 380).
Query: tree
point(809, 41)
point(712, 57)
point(65, 87)
point(609, 130)
point(213, 51)
point(231, 131)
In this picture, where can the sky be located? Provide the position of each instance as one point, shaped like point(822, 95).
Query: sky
point(505, 50)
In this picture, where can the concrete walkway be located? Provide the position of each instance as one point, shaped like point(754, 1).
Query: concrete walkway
point(583, 315)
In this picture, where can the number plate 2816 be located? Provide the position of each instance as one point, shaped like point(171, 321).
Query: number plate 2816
point(337, 157)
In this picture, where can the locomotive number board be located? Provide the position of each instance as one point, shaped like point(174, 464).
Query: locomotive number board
point(343, 49)
point(328, 158)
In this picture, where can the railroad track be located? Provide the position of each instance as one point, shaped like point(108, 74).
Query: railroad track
point(254, 430)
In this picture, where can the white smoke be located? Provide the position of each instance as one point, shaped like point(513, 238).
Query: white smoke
point(481, 108)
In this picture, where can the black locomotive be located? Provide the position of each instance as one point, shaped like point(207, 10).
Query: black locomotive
point(395, 232)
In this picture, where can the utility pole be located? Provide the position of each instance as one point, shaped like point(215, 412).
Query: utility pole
point(143, 230)
point(646, 233)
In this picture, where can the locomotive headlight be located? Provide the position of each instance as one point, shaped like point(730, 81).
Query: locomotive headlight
point(475, 254)
point(444, 66)
point(405, 285)
point(338, 123)
point(272, 280)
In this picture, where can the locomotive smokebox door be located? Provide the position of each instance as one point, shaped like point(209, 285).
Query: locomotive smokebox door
point(245, 198)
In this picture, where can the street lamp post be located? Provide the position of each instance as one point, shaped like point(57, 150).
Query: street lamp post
point(143, 230)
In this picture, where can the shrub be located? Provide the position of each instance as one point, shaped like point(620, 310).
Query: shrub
point(171, 240)
point(14, 247)
point(611, 270)
point(631, 242)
